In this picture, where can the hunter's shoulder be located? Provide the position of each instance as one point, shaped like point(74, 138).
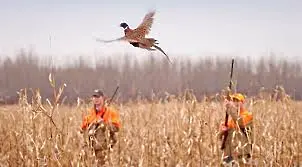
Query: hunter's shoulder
point(111, 109)
point(90, 110)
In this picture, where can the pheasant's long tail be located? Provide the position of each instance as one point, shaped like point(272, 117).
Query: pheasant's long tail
point(157, 47)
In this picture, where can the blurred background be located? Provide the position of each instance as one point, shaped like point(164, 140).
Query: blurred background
point(201, 37)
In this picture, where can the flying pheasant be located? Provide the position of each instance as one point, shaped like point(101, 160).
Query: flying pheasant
point(137, 36)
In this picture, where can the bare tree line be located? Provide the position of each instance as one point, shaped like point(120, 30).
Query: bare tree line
point(155, 76)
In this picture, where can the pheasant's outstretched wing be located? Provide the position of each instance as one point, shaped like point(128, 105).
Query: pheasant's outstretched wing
point(108, 41)
point(115, 40)
point(157, 47)
point(145, 27)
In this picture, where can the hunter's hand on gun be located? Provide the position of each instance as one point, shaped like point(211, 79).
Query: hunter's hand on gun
point(228, 104)
point(81, 130)
point(100, 123)
point(223, 128)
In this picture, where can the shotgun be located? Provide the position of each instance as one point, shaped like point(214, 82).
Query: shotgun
point(113, 95)
point(225, 134)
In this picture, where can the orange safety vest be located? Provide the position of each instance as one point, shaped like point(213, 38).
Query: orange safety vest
point(106, 113)
point(246, 116)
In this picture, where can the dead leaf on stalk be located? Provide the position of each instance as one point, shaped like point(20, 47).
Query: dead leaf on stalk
point(51, 80)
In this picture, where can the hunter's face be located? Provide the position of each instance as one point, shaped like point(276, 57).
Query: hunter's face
point(98, 100)
point(236, 102)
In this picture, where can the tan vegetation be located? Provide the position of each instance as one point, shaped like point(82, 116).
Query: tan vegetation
point(176, 132)
point(170, 113)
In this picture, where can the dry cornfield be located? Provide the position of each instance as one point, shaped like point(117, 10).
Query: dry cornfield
point(178, 132)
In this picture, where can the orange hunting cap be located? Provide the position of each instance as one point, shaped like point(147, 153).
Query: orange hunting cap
point(238, 96)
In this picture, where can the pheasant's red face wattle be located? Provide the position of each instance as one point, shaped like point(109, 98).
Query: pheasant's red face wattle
point(127, 30)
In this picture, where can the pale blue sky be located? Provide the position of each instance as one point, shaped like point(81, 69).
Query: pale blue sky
point(191, 27)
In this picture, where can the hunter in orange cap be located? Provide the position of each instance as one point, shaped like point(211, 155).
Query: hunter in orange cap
point(100, 112)
point(239, 129)
point(100, 119)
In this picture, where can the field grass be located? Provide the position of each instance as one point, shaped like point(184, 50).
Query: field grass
point(168, 133)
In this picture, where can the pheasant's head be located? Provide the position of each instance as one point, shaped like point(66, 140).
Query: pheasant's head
point(124, 25)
